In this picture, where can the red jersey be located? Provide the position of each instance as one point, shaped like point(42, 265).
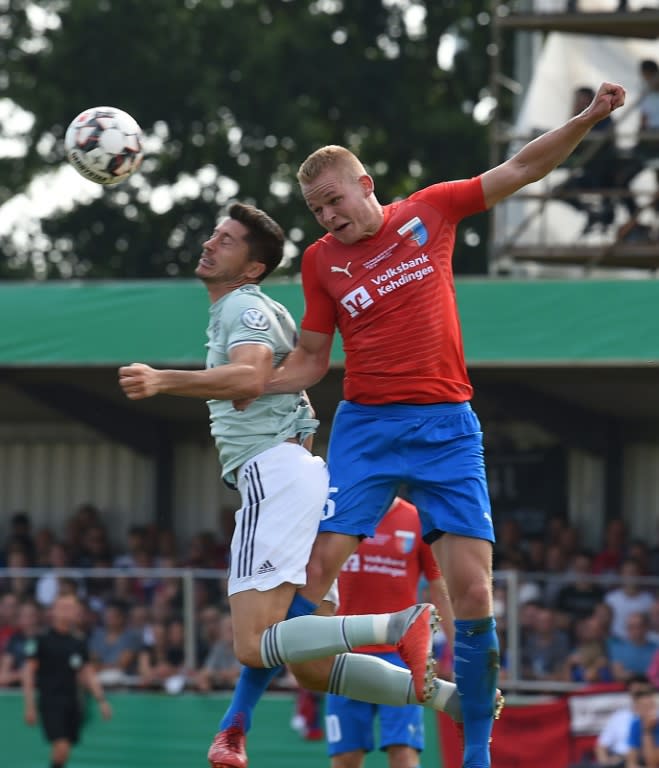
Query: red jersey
point(392, 298)
point(383, 573)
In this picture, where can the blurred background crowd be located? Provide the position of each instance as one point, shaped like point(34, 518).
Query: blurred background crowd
point(579, 616)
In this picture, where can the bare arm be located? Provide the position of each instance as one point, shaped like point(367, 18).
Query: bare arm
point(7, 676)
point(29, 675)
point(243, 378)
point(93, 685)
point(540, 156)
point(306, 365)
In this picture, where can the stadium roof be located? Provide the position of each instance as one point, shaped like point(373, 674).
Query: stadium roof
point(505, 322)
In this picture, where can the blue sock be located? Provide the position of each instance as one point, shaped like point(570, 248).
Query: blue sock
point(476, 671)
point(253, 681)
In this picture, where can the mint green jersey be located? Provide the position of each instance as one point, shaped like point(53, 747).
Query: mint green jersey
point(248, 316)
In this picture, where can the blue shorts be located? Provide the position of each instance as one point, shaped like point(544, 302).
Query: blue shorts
point(349, 724)
point(434, 452)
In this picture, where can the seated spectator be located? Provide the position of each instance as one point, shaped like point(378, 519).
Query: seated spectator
point(528, 590)
point(589, 662)
point(166, 548)
point(629, 598)
point(43, 541)
point(612, 743)
point(8, 618)
point(22, 587)
point(95, 547)
point(141, 623)
point(168, 592)
point(647, 146)
point(592, 167)
point(644, 730)
point(164, 659)
point(20, 536)
point(508, 541)
point(609, 559)
point(11, 661)
point(653, 670)
point(113, 646)
point(577, 599)
point(632, 654)
point(47, 587)
point(220, 668)
point(544, 648)
point(135, 542)
point(653, 614)
point(555, 568)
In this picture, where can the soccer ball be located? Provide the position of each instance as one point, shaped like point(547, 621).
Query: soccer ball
point(104, 144)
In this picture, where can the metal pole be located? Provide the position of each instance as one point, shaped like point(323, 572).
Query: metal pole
point(189, 620)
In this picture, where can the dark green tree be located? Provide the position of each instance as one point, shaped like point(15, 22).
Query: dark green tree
point(232, 95)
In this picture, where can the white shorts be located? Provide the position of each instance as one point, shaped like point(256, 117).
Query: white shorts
point(283, 492)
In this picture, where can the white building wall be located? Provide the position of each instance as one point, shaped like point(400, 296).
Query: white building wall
point(48, 470)
point(585, 493)
point(199, 492)
point(641, 490)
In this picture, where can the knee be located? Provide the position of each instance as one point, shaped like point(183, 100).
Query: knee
point(61, 750)
point(474, 600)
point(313, 675)
point(248, 651)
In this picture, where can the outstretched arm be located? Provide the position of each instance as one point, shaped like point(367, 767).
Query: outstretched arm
point(540, 156)
point(305, 365)
point(242, 378)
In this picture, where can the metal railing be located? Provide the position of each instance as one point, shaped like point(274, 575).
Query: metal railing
point(508, 582)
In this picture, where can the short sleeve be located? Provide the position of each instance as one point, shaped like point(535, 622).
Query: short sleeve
point(319, 306)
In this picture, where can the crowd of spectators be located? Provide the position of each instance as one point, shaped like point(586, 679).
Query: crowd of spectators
point(134, 623)
point(584, 616)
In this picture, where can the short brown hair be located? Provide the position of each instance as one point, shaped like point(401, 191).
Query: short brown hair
point(265, 237)
point(327, 157)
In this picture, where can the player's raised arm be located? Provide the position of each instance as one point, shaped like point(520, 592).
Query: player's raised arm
point(305, 365)
point(542, 155)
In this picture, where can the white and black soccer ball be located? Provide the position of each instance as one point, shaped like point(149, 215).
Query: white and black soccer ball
point(104, 144)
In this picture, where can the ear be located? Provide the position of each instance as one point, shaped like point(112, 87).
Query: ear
point(254, 269)
point(367, 184)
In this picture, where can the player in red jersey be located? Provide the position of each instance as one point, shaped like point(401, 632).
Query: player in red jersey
point(383, 574)
point(383, 276)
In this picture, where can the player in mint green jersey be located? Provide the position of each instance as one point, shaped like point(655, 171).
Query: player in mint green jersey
point(264, 453)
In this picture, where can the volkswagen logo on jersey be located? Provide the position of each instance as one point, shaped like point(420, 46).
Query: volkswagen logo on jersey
point(255, 319)
point(417, 230)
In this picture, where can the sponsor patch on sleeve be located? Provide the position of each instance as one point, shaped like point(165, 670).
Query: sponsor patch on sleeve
point(255, 319)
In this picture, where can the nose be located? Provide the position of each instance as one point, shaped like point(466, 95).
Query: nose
point(327, 215)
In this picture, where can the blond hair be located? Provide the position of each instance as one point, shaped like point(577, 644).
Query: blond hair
point(330, 156)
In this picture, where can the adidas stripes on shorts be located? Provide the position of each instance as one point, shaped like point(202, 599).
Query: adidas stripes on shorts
point(283, 492)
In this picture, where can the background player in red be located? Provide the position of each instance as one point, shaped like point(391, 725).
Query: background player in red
point(383, 574)
point(383, 276)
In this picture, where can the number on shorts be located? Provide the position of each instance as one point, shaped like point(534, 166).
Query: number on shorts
point(329, 510)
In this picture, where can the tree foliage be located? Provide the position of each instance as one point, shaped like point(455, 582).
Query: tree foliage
point(232, 95)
